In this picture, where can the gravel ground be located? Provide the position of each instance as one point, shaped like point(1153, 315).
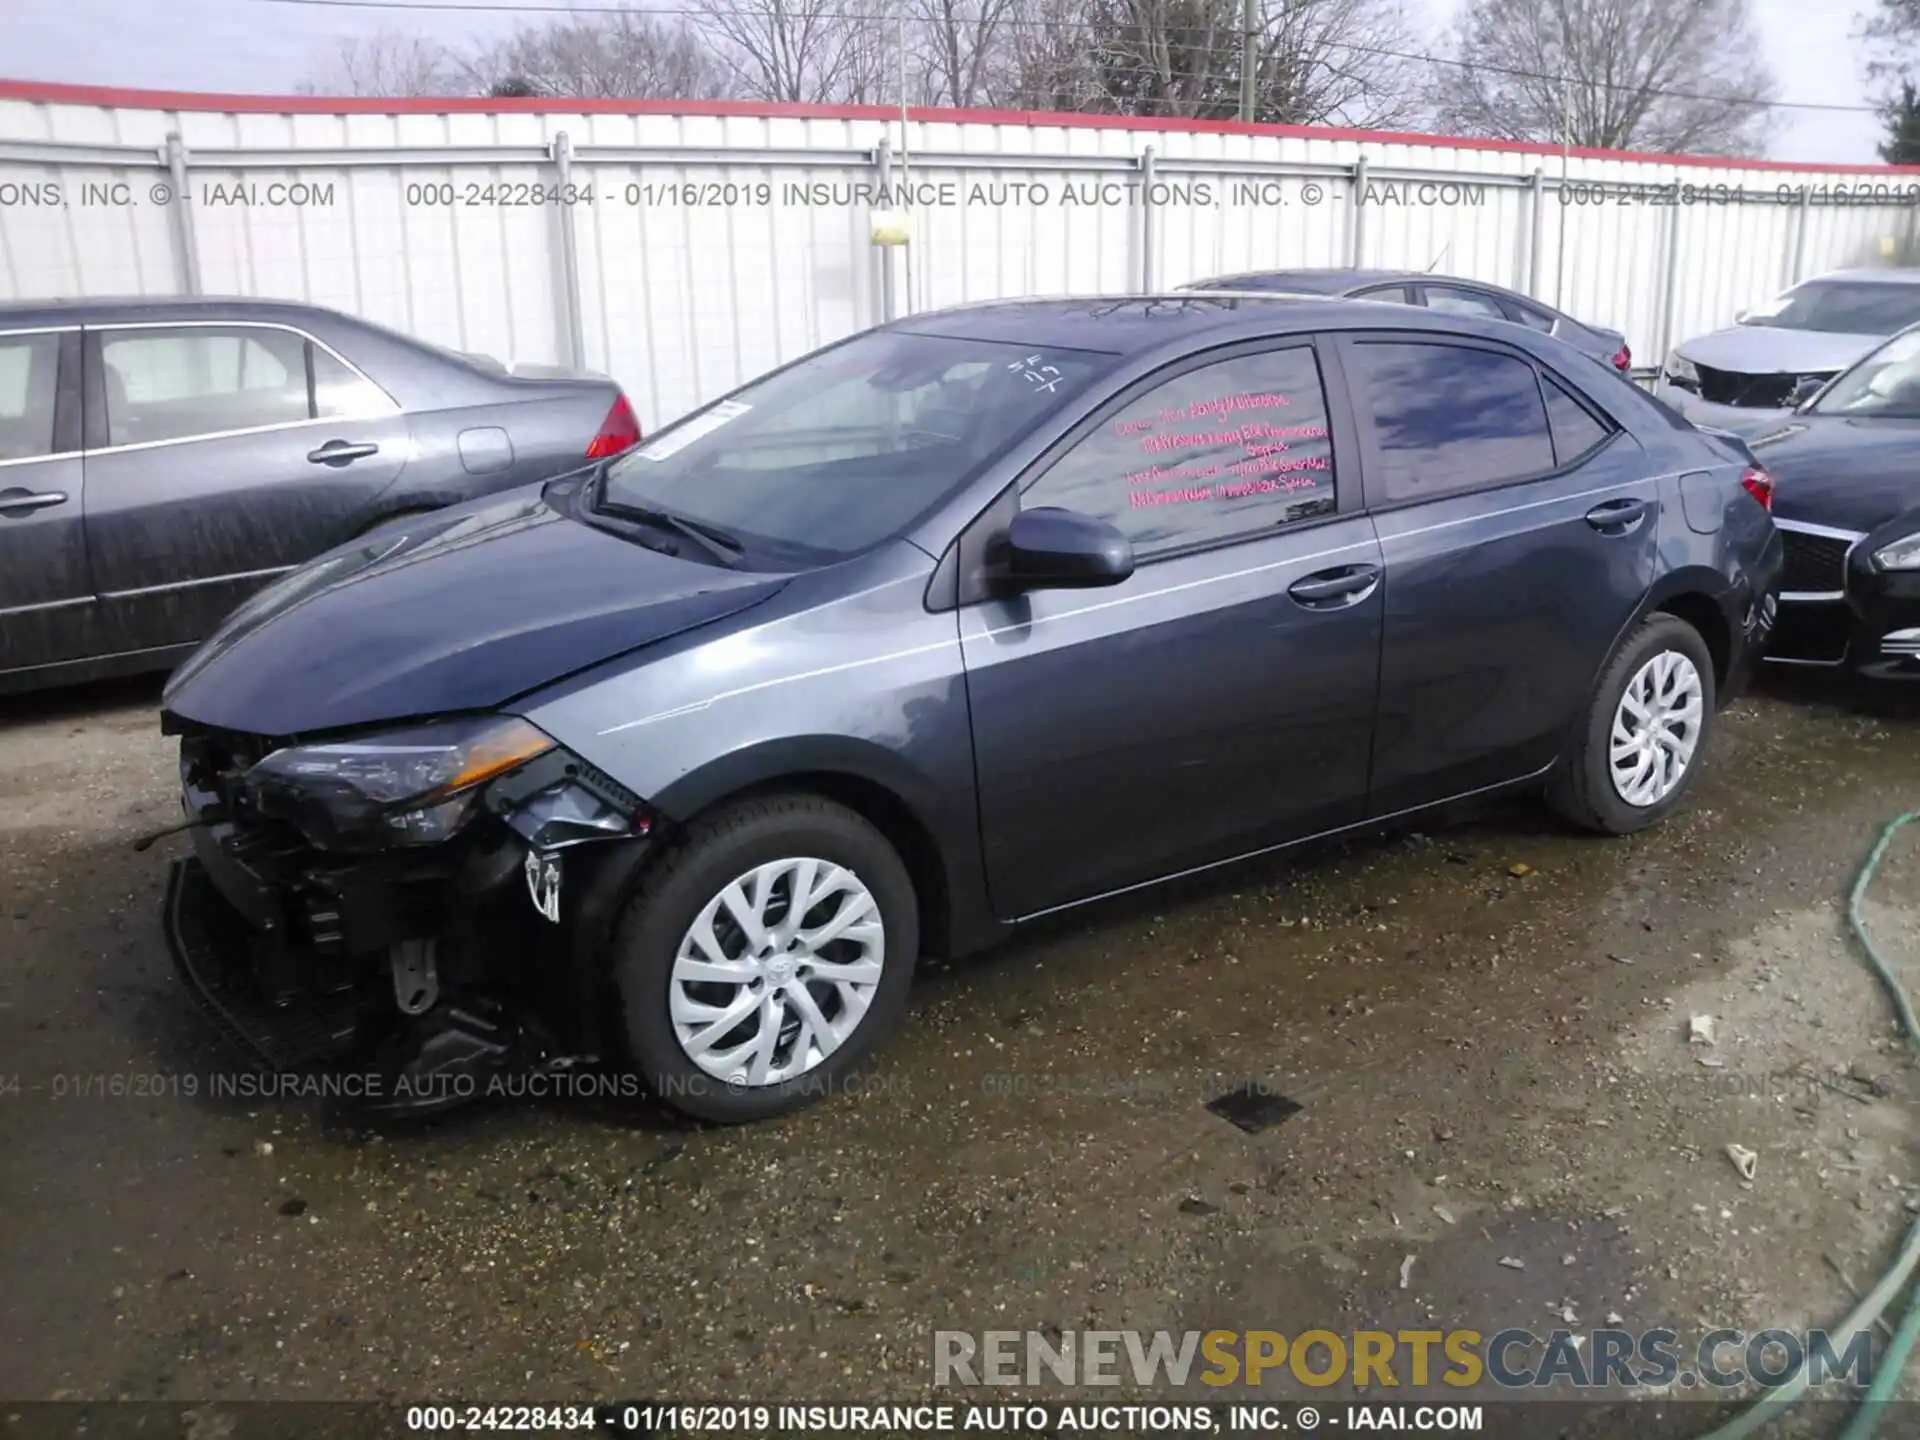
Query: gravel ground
point(1486, 1025)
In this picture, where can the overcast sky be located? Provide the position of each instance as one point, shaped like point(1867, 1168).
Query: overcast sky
point(256, 46)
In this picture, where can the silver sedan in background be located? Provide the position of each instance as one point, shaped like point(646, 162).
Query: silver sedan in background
point(161, 459)
point(1778, 354)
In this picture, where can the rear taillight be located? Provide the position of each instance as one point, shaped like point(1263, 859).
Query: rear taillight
point(1759, 484)
point(619, 431)
point(1623, 359)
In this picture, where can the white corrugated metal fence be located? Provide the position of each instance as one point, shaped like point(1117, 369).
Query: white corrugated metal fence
point(685, 253)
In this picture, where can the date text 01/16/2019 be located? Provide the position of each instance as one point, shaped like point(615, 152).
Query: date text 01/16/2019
point(1589, 193)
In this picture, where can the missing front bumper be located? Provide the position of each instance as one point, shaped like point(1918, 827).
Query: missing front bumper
point(211, 943)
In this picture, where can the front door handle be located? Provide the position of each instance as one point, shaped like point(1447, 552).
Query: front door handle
point(341, 452)
point(18, 504)
point(1617, 517)
point(1337, 588)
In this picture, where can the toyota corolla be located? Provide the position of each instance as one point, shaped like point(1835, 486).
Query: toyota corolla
point(680, 762)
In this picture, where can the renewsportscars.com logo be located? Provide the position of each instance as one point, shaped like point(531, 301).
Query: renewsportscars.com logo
point(1512, 1359)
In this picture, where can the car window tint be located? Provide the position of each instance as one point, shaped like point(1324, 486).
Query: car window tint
point(1448, 418)
point(1450, 301)
point(1575, 430)
point(338, 392)
point(172, 384)
point(1222, 450)
point(1393, 294)
point(29, 366)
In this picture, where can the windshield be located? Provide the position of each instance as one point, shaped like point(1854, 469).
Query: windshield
point(1887, 382)
point(1841, 307)
point(849, 446)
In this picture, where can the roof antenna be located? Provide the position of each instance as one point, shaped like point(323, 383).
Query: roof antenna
point(1438, 258)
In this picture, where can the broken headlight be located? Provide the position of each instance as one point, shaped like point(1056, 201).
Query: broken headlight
point(416, 786)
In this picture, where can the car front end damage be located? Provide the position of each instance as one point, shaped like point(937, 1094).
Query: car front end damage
point(423, 906)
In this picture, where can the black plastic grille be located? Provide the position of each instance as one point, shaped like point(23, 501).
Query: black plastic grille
point(1814, 562)
point(1735, 387)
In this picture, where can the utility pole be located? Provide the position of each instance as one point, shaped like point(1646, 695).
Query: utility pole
point(1249, 33)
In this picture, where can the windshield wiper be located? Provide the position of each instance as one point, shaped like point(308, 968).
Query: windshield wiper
point(723, 545)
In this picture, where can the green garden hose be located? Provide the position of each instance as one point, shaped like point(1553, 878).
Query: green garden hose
point(1894, 1362)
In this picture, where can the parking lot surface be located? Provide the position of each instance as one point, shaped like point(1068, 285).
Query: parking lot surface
point(1485, 1024)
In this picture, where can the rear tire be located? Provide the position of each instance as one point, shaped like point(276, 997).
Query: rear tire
point(738, 1004)
point(1643, 739)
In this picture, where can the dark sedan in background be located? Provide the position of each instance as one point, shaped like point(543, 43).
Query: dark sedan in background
point(1445, 293)
point(161, 458)
point(956, 623)
point(1847, 464)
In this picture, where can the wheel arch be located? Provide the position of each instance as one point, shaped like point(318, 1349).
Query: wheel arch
point(1699, 596)
point(937, 839)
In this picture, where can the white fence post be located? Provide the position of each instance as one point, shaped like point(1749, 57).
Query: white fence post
point(572, 316)
point(1146, 221)
point(180, 215)
point(1357, 235)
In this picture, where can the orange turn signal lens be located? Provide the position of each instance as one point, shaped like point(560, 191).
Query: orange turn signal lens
point(498, 751)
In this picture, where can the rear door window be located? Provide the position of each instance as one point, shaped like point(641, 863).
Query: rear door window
point(1448, 418)
point(174, 384)
point(1451, 300)
point(1395, 294)
point(29, 371)
point(1225, 450)
point(1528, 316)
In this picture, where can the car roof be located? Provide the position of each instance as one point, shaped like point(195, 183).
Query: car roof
point(102, 309)
point(1183, 320)
point(1323, 281)
point(1890, 276)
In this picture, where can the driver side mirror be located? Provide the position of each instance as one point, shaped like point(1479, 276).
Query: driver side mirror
point(1049, 548)
point(1740, 316)
point(1808, 387)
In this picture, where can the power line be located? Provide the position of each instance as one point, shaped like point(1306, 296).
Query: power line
point(518, 7)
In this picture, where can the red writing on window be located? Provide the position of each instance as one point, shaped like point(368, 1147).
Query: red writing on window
point(1226, 404)
point(1259, 478)
point(1255, 432)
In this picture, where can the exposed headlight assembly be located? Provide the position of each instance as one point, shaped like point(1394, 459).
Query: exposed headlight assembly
point(1902, 554)
point(1680, 371)
point(416, 786)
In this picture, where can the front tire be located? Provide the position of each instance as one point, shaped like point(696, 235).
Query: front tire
point(761, 960)
point(1645, 733)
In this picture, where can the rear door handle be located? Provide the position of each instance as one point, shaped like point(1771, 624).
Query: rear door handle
point(340, 452)
point(1337, 588)
point(1617, 517)
point(17, 504)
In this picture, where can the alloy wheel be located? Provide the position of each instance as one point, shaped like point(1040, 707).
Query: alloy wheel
point(1656, 729)
point(777, 971)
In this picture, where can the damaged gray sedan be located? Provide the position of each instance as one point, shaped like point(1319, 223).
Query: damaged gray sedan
point(680, 762)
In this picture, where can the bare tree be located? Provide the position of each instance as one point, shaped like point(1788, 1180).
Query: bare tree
point(388, 62)
point(1314, 61)
point(1047, 59)
point(1342, 62)
point(958, 46)
point(628, 54)
point(801, 50)
point(1671, 75)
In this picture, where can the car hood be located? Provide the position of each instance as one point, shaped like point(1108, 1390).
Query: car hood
point(462, 610)
point(1764, 350)
point(1850, 474)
